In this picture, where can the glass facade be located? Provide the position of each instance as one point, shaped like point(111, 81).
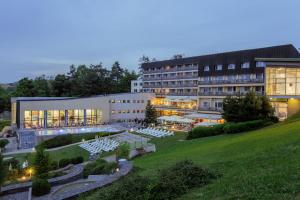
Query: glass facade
point(282, 81)
point(55, 118)
point(61, 118)
point(34, 119)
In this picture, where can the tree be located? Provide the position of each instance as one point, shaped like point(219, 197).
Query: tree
point(249, 107)
point(25, 88)
point(41, 162)
point(150, 114)
point(124, 150)
point(3, 143)
point(3, 171)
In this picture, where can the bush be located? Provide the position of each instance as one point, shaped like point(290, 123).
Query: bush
point(40, 187)
point(64, 162)
point(201, 131)
point(76, 160)
point(232, 128)
point(97, 167)
point(3, 143)
point(4, 123)
point(169, 184)
point(124, 150)
point(53, 165)
point(177, 179)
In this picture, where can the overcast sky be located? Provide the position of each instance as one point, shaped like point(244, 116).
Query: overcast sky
point(47, 36)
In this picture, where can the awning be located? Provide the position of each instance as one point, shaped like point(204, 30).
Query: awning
point(206, 124)
point(204, 116)
point(175, 118)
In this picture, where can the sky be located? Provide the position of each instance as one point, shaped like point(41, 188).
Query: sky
point(46, 37)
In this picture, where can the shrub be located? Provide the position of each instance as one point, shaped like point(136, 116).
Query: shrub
point(97, 167)
point(4, 123)
point(232, 128)
point(177, 179)
point(201, 131)
point(76, 160)
point(53, 165)
point(169, 184)
point(3, 143)
point(124, 150)
point(64, 162)
point(40, 187)
point(57, 141)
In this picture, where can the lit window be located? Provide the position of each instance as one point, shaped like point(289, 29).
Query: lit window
point(245, 65)
point(260, 64)
point(231, 66)
point(206, 68)
point(219, 67)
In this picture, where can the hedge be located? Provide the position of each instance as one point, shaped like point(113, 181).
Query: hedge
point(62, 140)
point(232, 128)
point(202, 131)
point(228, 128)
point(66, 161)
point(40, 187)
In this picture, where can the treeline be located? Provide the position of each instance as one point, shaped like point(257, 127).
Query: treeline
point(80, 81)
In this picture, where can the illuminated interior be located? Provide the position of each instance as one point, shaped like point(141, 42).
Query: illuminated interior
point(282, 81)
point(174, 103)
point(61, 118)
point(33, 119)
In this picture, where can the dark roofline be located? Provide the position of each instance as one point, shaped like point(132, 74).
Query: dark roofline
point(69, 98)
point(293, 60)
point(195, 59)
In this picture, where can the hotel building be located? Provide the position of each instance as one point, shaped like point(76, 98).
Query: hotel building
point(199, 84)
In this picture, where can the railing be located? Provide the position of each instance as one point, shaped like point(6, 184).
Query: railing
point(230, 81)
point(170, 77)
point(171, 85)
point(226, 93)
point(175, 107)
point(210, 109)
point(175, 69)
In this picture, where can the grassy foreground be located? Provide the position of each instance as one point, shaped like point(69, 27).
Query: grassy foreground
point(261, 164)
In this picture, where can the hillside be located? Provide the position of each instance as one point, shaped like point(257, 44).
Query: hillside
point(262, 164)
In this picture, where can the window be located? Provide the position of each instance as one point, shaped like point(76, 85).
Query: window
point(218, 67)
point(206, 104)
point(135, 84)
point(245, 65)
point(260, 64)
point(231, 66)
point(128, 101)
point(206, 68)
point(113, 101)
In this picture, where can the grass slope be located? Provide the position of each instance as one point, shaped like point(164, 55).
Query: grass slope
point(261, 164)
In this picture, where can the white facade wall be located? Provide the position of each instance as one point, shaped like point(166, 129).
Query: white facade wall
point(136, 85)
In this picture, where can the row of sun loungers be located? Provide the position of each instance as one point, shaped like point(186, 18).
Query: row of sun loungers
point(155, 132)
point(98, 146)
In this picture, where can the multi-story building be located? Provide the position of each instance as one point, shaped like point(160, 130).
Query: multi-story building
point(137, 85)
point(201, 83)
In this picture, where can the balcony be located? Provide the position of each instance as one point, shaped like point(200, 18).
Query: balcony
point(237, 81)
point(226, 93)
point(214, 109)
point(171, 77)
point(174, 69)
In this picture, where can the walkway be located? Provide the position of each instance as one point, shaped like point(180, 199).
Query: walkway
point(76, 188)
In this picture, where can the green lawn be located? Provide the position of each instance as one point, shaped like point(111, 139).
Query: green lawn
point(67, 152)
point(262, 164)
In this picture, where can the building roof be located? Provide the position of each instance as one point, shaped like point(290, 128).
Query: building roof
point(281, 51)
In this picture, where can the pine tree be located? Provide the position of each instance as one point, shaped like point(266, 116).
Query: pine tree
point(41, 162)
point(150, 114)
